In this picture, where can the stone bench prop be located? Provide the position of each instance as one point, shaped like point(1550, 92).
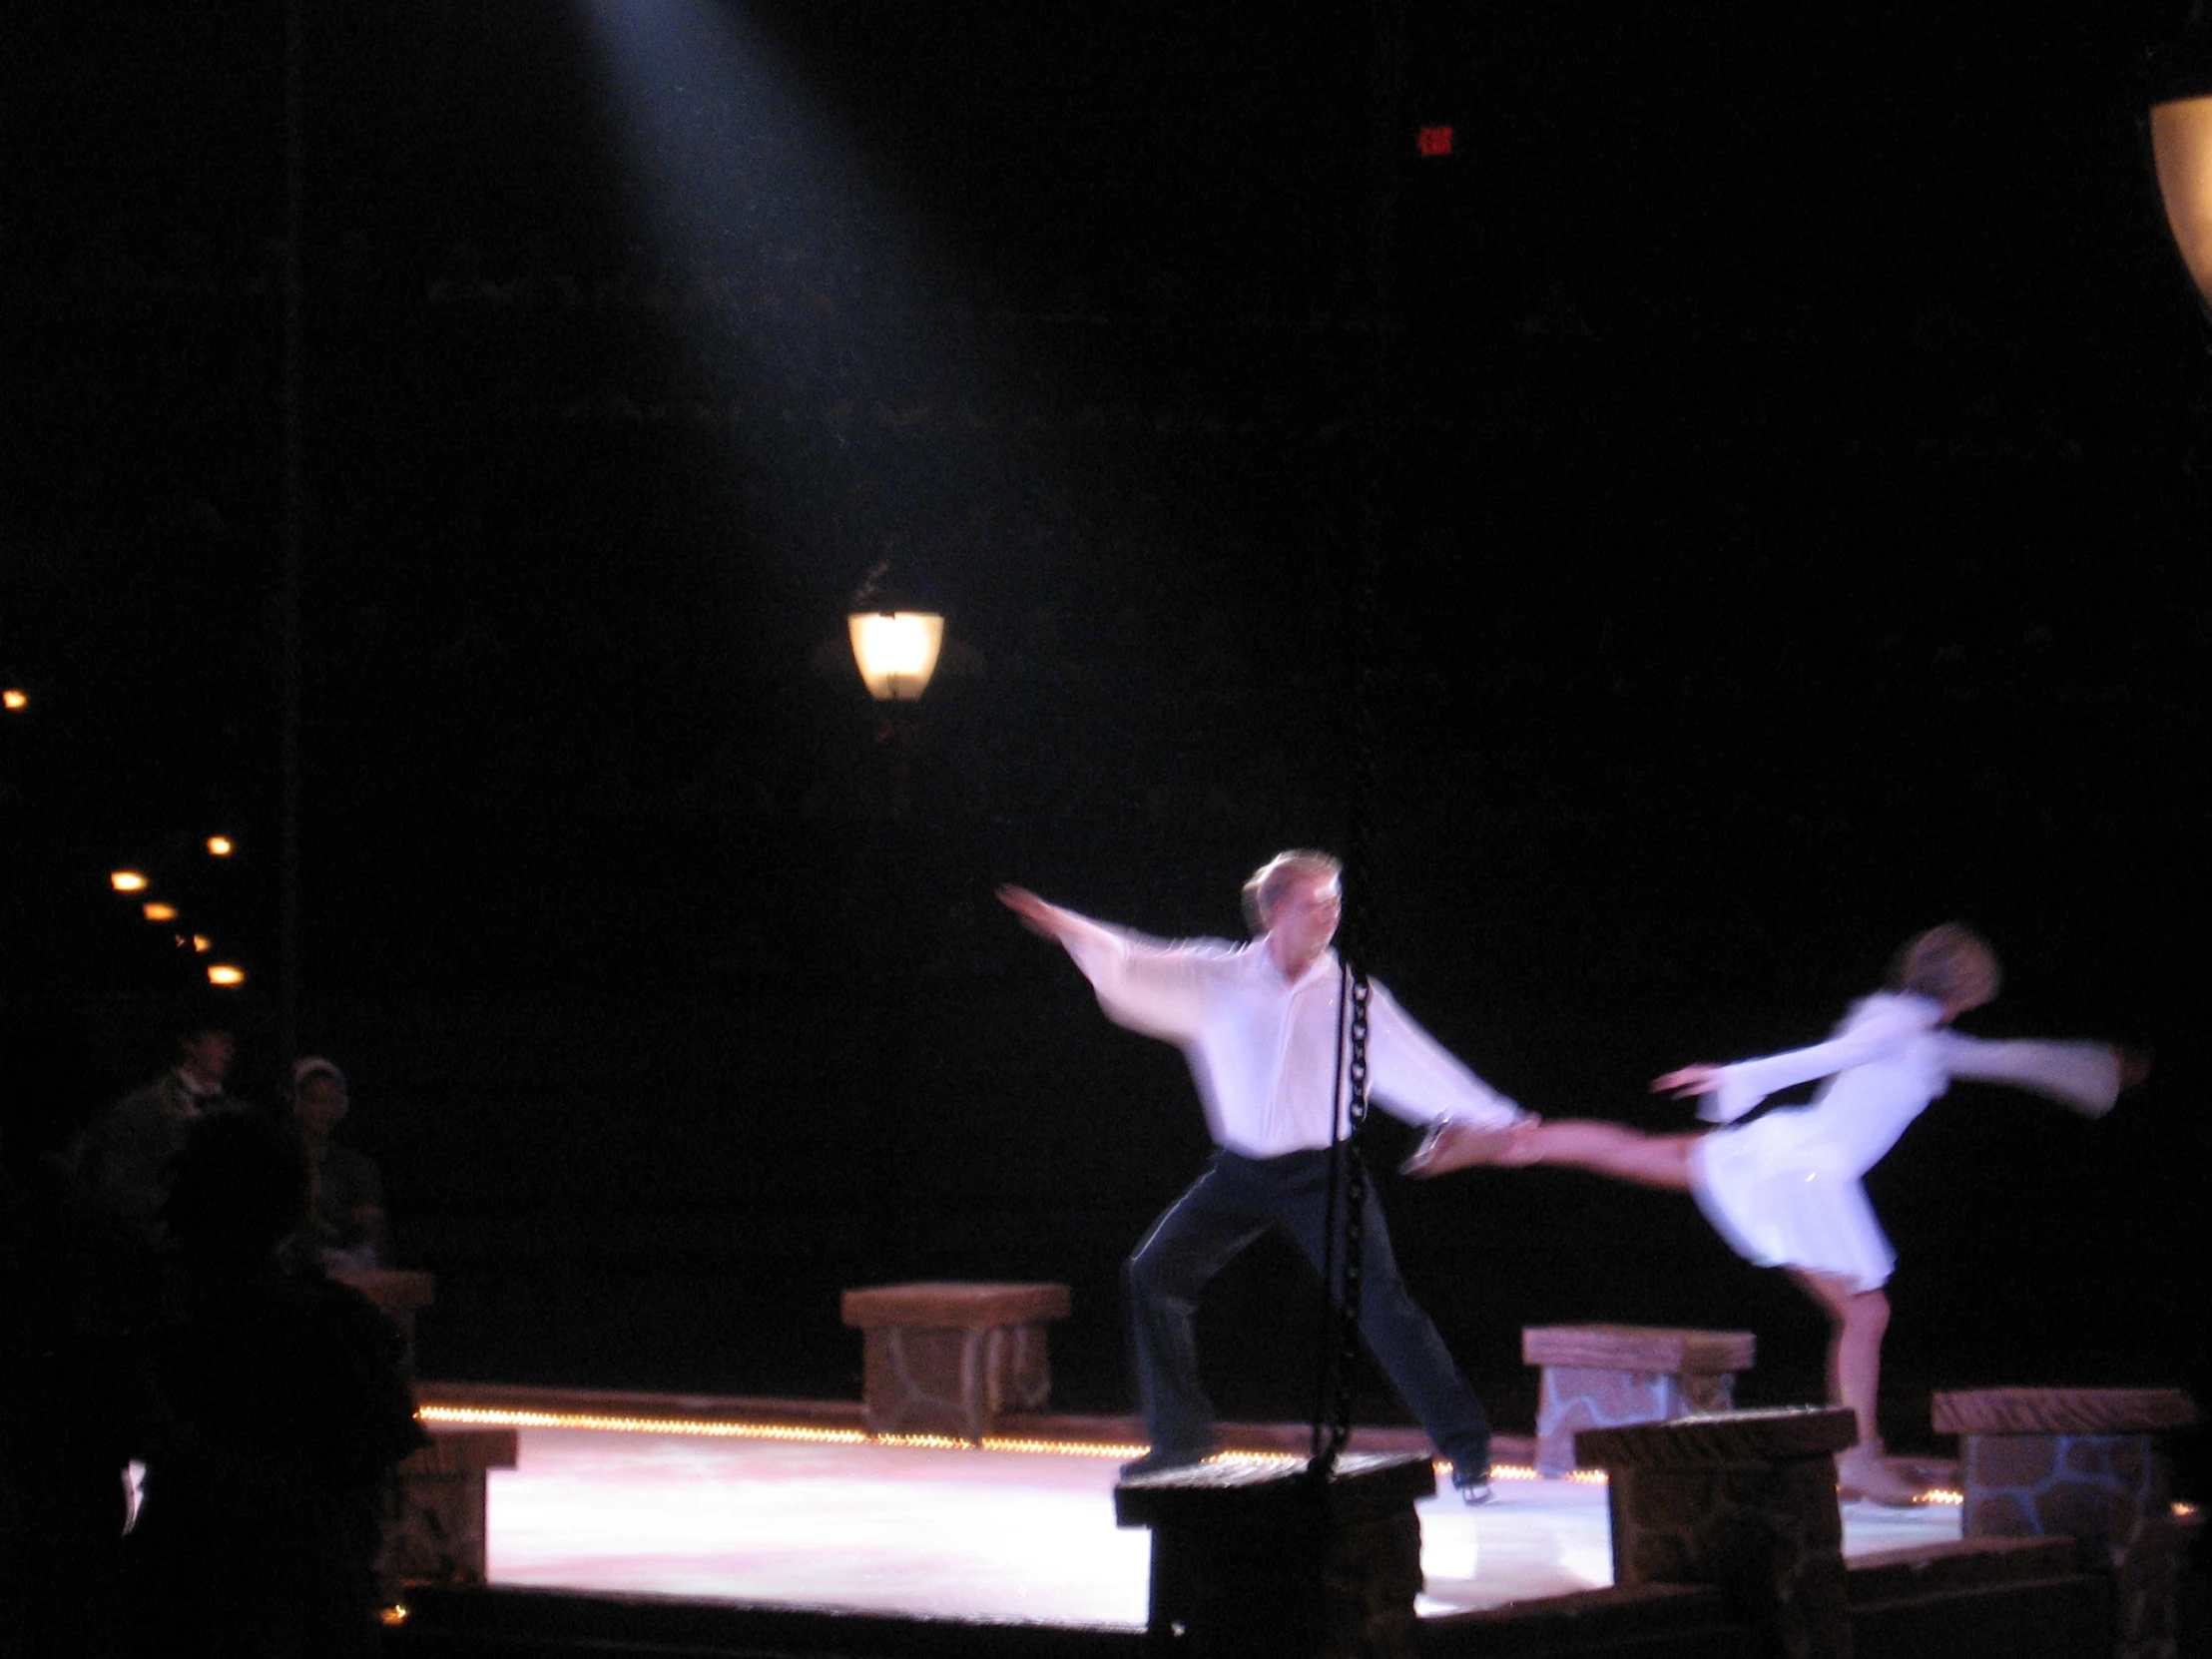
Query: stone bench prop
point(1613, 1375)
point(435, 1516)
point(2079, 1463)
point(1257, 1559)
point(950, 1358)
point(1744, 1501)
point(434, 1532)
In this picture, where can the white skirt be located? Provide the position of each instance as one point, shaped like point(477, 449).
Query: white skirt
point(1784, 1197)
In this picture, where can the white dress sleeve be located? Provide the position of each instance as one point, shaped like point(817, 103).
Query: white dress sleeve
point(2082, 1075)
point(1415, 1077)
point(1148, 985)
point(1876, 1027)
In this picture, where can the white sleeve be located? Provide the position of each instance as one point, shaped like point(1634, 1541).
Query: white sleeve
point(1413, 1076)
point(1146, 984)
point(1746, 1083)
point(2082, 1075)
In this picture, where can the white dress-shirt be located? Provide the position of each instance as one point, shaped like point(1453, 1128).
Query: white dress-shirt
point(1263, 1049)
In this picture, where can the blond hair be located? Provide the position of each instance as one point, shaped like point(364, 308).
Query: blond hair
point(1952, 965)
point(1265, 887)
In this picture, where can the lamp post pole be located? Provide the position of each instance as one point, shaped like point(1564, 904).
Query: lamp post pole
point(897, 653)
point(295, 534)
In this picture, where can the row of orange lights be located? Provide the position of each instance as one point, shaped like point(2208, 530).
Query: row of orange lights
point(478, 1416)
point(162, 912)
point(15, 698)
point(481, 1417)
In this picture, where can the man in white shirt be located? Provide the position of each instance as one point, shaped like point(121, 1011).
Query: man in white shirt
point(1260, 1025)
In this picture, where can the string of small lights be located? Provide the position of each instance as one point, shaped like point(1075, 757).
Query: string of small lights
point(488, 1416)
point(499, 1416)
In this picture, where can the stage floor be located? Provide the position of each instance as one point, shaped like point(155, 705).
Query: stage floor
point(968, 1535)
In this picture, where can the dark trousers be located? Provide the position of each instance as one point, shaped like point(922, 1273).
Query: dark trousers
point(1227, 1208)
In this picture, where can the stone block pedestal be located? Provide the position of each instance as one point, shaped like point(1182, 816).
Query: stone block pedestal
point(1256, 1560)
point(948, 1358)
point(2079, 1463)
point(434, 1527)
point(1744, 1501)
point(1610, 1375)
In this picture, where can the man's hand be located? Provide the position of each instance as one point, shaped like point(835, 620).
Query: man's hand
point(1451, 1145)
point(1039, 917)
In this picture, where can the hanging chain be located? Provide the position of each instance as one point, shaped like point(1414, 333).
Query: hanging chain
point(1348, 1185)
point(1356, 1212)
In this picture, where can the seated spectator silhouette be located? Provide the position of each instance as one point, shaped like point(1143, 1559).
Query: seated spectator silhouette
point(346, 1213)
point(282, 1411)
point(124, 1156)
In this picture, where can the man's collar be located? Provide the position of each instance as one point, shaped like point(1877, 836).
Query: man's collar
point(1265, 954)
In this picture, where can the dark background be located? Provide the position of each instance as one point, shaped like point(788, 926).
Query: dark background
point(1755, 490)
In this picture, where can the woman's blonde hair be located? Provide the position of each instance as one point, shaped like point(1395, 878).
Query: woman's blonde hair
point(1952, 965)
point(1265, 887)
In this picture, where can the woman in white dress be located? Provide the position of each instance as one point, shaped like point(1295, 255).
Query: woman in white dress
point(1785, 1188)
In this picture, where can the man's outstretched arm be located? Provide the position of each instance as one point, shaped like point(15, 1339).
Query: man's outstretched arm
point(1142, 983)
point(1416, 1078)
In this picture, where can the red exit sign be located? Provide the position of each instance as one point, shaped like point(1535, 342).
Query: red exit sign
point(1434, 141)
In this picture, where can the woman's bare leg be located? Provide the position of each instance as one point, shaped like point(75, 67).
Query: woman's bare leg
point(1575, 1143)
point(1609, 1149)
point(1857, 1321)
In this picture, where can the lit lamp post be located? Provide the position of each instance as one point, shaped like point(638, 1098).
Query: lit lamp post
point(2181, 143)
point(897, 651)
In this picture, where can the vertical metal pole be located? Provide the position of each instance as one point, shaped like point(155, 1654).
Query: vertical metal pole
point(1343, 1265)
point(293, 537)
point(1378, 454)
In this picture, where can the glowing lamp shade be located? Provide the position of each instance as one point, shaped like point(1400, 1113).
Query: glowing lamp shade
point(2179, 92)
point(2181, 150)
point(220, 846)
point(897, 651)
point(126, 881)
point(15, 697)
point(224, 973)
point(155, 910)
